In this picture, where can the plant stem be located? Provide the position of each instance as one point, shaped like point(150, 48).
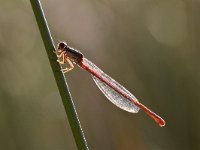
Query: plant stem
point(60, 79)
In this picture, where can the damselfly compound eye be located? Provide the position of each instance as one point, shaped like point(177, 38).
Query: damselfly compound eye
point(62, 45)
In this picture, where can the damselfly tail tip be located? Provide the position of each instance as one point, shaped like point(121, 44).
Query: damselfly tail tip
point(161, 122)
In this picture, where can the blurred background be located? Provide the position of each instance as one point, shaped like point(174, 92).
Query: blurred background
point(149, 46)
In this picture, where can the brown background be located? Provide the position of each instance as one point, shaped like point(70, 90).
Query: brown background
point(150, 46)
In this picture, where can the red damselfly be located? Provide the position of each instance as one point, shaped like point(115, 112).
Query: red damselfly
point(115, 92)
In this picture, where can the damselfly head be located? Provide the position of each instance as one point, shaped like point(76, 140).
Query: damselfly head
point(61, 45)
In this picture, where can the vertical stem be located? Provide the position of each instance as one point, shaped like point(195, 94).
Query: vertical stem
point(60, 79)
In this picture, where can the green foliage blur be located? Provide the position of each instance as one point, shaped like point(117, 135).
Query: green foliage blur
point(151, 47)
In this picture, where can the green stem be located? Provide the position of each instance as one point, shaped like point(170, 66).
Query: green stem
point(60, 79)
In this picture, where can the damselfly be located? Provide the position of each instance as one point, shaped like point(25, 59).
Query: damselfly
point(114, 92)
